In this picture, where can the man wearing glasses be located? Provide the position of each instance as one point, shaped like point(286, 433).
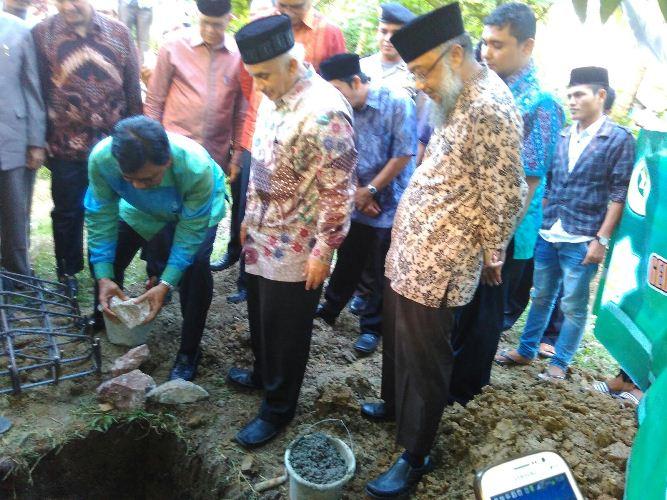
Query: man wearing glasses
point(457, 213)
point(321, 38)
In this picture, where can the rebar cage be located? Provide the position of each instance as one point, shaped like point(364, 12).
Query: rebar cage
point(43, 336)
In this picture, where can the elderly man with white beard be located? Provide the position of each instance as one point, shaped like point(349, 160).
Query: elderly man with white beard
point(454, 220)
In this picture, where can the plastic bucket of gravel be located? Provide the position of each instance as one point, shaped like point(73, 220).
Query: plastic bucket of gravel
point(319, 465)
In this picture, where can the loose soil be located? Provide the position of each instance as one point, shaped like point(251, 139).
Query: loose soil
point(316, 459)
point(199, 459)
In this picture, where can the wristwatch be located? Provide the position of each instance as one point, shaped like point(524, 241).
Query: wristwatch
point(602, 240)
point(372, 189)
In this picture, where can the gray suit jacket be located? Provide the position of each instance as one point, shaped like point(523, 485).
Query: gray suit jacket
point(22, 115)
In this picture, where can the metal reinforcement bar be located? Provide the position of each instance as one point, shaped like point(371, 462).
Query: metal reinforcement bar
point(44, 339)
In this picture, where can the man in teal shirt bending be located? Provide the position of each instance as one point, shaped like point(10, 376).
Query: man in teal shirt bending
point(145, 184)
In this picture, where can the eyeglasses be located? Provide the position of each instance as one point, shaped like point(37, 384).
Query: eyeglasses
point(422, 76)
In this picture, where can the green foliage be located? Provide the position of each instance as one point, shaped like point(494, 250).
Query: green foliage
point(98, 420)
point(607, 8)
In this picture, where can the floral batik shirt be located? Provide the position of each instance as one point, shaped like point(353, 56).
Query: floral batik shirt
point(465, 197)
point(302, 180)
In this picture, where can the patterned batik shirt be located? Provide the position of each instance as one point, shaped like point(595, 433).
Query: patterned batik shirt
point(543, 119)
point(302, 180)
point(90, 82)
point(386, 128)
point(465, 197)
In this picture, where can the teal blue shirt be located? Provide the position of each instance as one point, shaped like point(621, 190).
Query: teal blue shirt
point(192, 194)
point(543, 119)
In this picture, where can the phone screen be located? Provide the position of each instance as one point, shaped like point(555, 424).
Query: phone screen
point(545, 489)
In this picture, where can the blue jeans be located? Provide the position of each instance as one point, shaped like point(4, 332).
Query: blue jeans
point(557, 263)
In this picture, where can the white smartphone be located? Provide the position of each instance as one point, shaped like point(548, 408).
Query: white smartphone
point(538, 476)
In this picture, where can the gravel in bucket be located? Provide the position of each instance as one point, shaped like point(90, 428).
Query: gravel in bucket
point(316, 459)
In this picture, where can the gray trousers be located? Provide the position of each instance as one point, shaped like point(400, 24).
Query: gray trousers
point(16, 186)
point(138, 20)
point(417, 361)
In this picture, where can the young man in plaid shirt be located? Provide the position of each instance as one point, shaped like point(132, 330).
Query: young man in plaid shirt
point(583, 203)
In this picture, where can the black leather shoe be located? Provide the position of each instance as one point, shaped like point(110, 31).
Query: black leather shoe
point(358, 304)
point(367, 343)
point(398, 480)
point(377, 412)
point(243, 378)
point(238, 297)
point(185, 366)
point(323, 313)
point(225, 262)
point(257, 433)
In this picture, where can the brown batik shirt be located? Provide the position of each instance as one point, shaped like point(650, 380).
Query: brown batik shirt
point(465, 197)
point(89, 82)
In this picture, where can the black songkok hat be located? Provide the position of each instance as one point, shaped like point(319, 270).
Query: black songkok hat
point(264, 39)
point(428, 31)
point(395, 13)
point(589, 75)
point(214, 8)
point(340, 66)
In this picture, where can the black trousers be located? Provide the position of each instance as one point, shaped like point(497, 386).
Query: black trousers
point(280, 316)
point(477, 329)
point(363, 244)
point(195, 288)
point(69, 181)
point(417, 361)
point(239, 189)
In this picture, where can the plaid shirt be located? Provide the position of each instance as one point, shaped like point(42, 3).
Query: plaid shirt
point(601, 175)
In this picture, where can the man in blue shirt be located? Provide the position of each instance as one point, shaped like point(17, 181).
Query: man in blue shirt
point(507, 45)
point(146, 184)
point(583, 202)
point(385, 129)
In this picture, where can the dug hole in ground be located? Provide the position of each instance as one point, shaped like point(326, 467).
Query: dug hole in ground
point(63, 445)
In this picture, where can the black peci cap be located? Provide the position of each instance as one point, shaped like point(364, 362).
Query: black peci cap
point(395, 13)
point(589, 75)
point(340, 66)
point(265, 38)
point(428, 31)
point(214, 8)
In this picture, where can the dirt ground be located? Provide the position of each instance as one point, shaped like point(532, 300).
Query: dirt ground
point(517, 414)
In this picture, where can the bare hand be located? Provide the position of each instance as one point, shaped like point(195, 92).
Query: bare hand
point(155, 298)
point(35, 157)
point(362, 198)
point(316, 272)
point(243, 232)
point(108, 289)
point(234, 171)
point(595, 254)
point(493, 266)
point(372, 209)
point(146, 74)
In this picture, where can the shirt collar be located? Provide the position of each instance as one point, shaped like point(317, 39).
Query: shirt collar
point(591, 130)
point(373, 98)
point(292, 96)
point(196, 40)
point(96, 23)
point(524, 73)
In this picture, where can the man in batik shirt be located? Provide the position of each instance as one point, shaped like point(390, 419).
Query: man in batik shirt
point(508, 40)
point(457, 213)
point(300, 199)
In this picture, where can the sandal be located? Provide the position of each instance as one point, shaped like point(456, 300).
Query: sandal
point(545, 376)
point(503, 358)
point(546, 351)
